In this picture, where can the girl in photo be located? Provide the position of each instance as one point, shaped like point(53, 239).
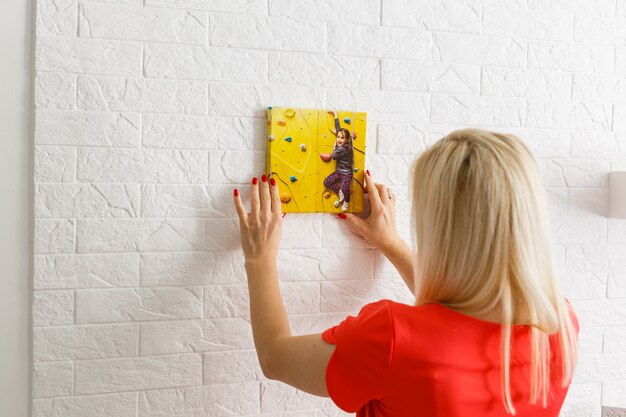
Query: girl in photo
point(343, 153)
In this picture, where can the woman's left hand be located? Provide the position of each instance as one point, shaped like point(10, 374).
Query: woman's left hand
point(261, 228)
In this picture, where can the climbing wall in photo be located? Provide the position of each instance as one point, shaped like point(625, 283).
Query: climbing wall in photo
point(318, 168)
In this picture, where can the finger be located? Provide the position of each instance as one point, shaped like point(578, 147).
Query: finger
point(275, 193)
point(264, 196)
point(373, 191)
point(254, 197)
point(384, 193)
point(241, 211)
point(355, 222)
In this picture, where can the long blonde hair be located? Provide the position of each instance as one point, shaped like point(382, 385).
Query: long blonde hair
point(484, 244)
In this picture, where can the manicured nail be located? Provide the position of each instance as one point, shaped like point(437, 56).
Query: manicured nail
point(368, 173)
point(284, 214)
point(236, 192)
point(272, 182)
point(255, 180)
point(342, 215)
point(264, 178)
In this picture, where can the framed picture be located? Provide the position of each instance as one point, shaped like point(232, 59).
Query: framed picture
point(317, 158)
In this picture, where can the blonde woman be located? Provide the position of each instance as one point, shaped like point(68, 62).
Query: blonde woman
point(490, 333)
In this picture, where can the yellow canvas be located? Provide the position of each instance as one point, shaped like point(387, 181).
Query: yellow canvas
point(317, 158)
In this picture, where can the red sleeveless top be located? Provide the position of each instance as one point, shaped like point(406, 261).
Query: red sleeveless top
point(398, 360)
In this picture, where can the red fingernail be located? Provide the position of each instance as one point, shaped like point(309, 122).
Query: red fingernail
point(342, 216)
point(284, 214)
point(272, 181)
point(254, 180)
point(236, 192)
point(264, 178)
point(368, 173)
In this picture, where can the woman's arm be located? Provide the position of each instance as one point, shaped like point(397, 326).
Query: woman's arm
point(380, 231)
point(403, 259)
point(299, 361)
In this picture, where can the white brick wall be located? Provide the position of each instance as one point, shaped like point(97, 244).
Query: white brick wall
point(149, 112)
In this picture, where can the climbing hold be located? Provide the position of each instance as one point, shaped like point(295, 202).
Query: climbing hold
point(327, 194)
point(302, 147)
point(290, 112)
point(293, 178)
point(326, 156)
point(336, 203)
point(270, 137)
point(288, 138)
point(281, 123)
point(285, 197)
point(347, 120)
point(356, 170)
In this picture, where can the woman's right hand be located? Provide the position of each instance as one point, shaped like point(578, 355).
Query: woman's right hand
point(379, 229)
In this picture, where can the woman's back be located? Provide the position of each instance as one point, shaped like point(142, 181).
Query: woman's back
point(399, 360)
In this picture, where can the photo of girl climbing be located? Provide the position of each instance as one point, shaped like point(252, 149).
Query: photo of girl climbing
point(343, 153)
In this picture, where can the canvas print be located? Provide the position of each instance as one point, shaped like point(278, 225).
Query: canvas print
point(317, 158)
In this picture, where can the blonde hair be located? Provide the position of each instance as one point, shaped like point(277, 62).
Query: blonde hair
point(483, 244)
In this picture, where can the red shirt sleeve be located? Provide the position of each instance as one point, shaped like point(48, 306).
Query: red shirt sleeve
point(357, 370)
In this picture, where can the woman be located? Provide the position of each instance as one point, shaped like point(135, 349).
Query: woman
point(490, 333)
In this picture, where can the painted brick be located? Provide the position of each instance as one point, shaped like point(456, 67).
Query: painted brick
point(141, 95)
point(85, 342)
point(120, 235)
point(86, 271)
point(112, 405)
point(204, 63)
point(231, 367)
point(168, 200)
point(87, 200)
point(569, 56)
point(184, 336)
point(278, 397)
point(209, 400)
point(615, 339)
point(358, 11)
point(430, 77)
point(111, 375)
point(134, 165)
point(259, 32)
point(236, 6)
point(350, 296)
point(251, 100)
point(507, 82)
point(53, 307)
point(379, 41)
point(593, 87)
point(233, 300)
point(54, 164)
point(163, 131)
point(54, 235)
point(141, 23)
point(88, 56)
point(568, 114)
point(479, 49)
point(518, 20)
point(491, 111)
point(55, 91)
point(141, 304)
point(392, 106)
point(56, 17)
point(316, 70)
point(52, 379)
point(87, 128)
point(446, 15)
